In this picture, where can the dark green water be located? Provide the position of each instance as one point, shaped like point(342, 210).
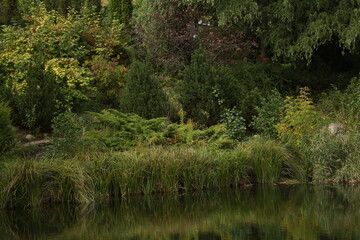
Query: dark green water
point(267, 212)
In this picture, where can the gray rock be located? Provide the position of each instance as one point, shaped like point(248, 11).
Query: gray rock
point(334, 128)
point(29, 137)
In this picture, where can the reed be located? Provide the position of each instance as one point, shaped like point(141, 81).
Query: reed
point(33, 183)
point(271, 160)
point(95, 177)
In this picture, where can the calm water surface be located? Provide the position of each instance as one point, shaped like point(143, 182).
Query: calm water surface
point(266, 212)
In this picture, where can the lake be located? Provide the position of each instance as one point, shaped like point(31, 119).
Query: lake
point(257, 212)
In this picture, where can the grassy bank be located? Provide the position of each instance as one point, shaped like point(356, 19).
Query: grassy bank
point(95, 177)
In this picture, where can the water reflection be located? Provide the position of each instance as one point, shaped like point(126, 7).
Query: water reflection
point(263, 212)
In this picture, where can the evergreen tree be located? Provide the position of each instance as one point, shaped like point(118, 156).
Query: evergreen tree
point(143, 94)
point(198, 87)
point(121, 10)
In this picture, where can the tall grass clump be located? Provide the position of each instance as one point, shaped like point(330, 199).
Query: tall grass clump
point(335, 158)
point(7, 134)
point(107, 176)
point(33, 183)
point(158, 170)
point(271, 160)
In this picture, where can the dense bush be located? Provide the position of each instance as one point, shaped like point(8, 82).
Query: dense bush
point(7, 134)
point(143, 94)
point(343, 106)
point(299, 120)
point(109, 80)
point(120, 10)
point(254, 80)
point(43, 62)
point(8, 11)
point(235, 124)
point(335, 158)
point(67, 131)
point(198, 87)
point(111, 129)
point(268, 114)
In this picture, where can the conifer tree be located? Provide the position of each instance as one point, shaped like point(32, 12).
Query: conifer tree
point(143, 95)
point(199, 83)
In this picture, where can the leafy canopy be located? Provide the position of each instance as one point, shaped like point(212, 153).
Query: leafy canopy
point(293, 29)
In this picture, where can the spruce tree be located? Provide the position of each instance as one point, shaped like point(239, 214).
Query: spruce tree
point(143, 95)
point(121, 10)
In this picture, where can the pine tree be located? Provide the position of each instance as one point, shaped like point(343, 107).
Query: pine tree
point(143, 94)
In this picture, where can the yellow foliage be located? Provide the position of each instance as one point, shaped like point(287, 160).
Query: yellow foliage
point(299, 118)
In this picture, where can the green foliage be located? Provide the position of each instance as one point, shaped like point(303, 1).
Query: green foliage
point(334, 158)
point(292, 29)
point(143, 95)
point(8, 11)
point(43, 62)
point(198, 85)
point(35, 183)
point(114, 130)
point(299, 119)
point(268, 114)
point(343, 106)
point(67, 131)
point(97, 177)
point(253, 82)
point(120, 10)
point(7, 134)
point(109, 80)
point(271, 160)
point(119, 131)
point(61, 6)
point(235, 124)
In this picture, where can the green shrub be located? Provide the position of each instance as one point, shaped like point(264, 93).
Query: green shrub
point(143, 95)
point(343, 106)
point(7, 134)
point(43, 62)
point(235, 124)
point(120, 10)
point(109, 80)
point(268, 114)
point(254, 81)
point(196, 93)
point(67, 131)
point(334, 158)
point(299, 119)
point(118, 131)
